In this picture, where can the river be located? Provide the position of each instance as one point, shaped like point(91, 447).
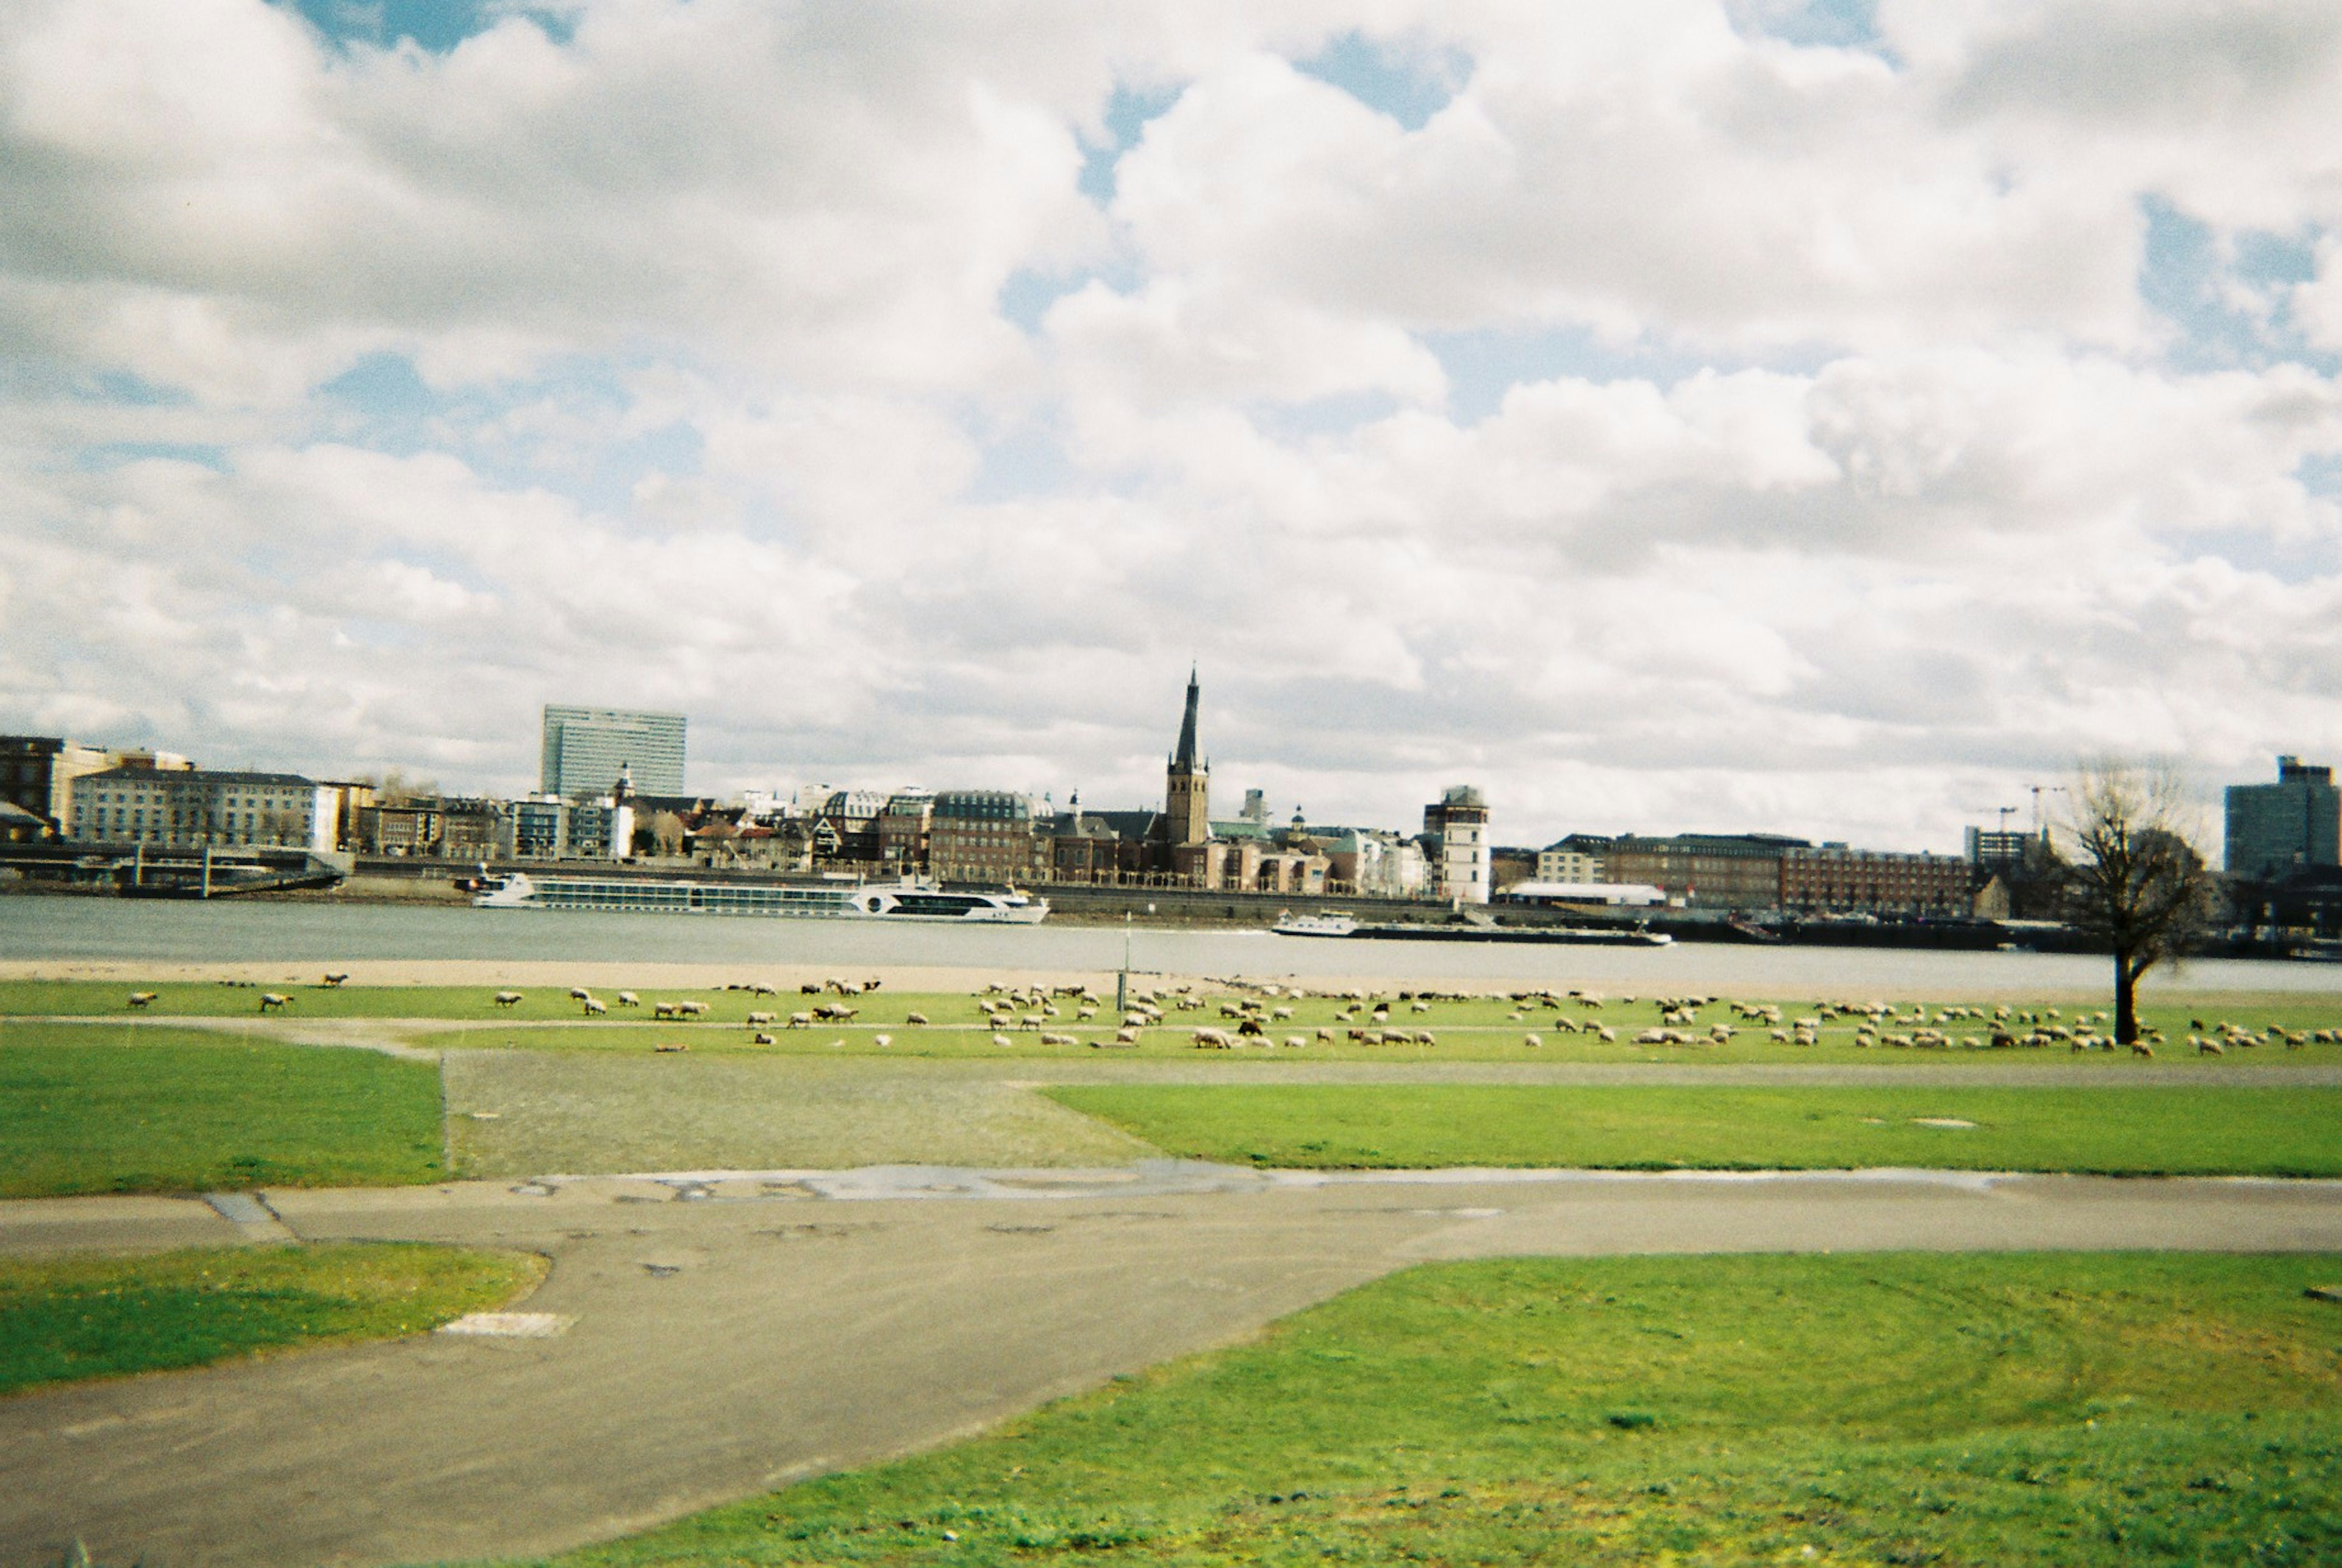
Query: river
point(233, 931)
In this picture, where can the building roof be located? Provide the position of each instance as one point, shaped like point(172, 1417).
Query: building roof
point(195, 776)
point(1184, 759)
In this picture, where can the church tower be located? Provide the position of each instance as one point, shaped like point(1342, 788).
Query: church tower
point(1188, 798)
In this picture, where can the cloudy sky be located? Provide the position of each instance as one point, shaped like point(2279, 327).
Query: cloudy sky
point(1829, 418)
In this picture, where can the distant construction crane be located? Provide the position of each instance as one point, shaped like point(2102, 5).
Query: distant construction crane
point(2039, 791)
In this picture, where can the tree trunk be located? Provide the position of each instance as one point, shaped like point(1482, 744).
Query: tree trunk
point(2125, 1000)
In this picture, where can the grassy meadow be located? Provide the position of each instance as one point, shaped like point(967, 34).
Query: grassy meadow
point(2006, 1409)
point(1475, 1028)
point(62, 1319)
point(2127, 1130)
point(157, 1109)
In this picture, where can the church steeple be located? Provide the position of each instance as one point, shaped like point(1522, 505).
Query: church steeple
point(1185, 759)
point(1187, 792)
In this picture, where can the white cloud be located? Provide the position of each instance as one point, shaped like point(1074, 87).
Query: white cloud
point(1865, 488)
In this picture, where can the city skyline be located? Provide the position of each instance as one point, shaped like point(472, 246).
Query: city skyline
point(1825, 418)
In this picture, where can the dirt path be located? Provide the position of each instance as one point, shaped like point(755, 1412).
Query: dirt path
point(731, 1334)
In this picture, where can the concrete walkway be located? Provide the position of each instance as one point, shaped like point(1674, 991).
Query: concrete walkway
point(729, 1333)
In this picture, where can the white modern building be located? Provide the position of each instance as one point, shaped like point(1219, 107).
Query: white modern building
point(182, 808)
point(586, 749)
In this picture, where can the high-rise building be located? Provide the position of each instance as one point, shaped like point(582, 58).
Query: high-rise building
point(1187, 792)
point(2275, 827)
point(585, 750)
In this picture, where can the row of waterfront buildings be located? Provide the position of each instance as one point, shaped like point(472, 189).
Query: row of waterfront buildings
point(611, 788)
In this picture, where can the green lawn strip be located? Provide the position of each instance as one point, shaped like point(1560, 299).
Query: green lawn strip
point(1486, 1025)
point(2141, 1130)
point(86, 1109)
point(2008, 1409)
point(62, 1319)
point(960, 1038)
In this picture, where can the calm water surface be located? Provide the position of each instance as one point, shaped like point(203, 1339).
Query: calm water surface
point(229, 931)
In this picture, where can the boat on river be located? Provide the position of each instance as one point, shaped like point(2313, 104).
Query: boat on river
point(784, 900)
point(1333, 923)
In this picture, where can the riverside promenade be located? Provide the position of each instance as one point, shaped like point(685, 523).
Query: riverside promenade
point(705, 1335)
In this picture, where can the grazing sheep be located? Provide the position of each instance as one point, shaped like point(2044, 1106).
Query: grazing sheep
point(760, 1038)
point(1126, 1037)
point(1533, 1041)
point(915, 1018)
point(1610, 1035)
point(2208, 1048)
point(628, 999)
point(761, 989)
point(1325, 1036)
point(507, 998)
point(800, 1019)
point(882, 1041)
point(666, 1010)
point(2141, 1048)
point(596, 1007)
point(1280, 1013)
point(810, 988)
point(1030, 1020)
point(144, 998)
point(693, 1009)
point(757, 1020)
point(269, 999)
point(578, 994)
point(1003, 1041)
point(1295, 1042)
point(1213, 1040)
point(835, 1012)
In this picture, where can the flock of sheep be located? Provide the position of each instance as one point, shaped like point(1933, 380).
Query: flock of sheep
point(1264, 1012)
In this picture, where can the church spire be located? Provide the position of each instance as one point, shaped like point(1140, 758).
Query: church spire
point(1185, 759)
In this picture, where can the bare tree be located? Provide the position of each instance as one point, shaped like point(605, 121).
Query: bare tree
point(2134, 880)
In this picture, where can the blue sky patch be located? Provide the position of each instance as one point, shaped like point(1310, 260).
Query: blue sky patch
point(437, 26)
point(2190, 278)
point(1814, 24)
point(381, 402)
point(1486, 362)
point(1126, 113)
point(1410, 85)
point(113, 455)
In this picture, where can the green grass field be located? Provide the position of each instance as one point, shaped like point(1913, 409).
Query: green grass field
point(2126, 1130)
point(93, 1110)
point(1999, 1409)
point(70, 1318)
point(1477, 1029)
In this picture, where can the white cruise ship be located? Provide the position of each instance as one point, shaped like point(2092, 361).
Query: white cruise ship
point(799, 900)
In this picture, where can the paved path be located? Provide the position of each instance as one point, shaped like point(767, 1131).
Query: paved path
point(732, 1332)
